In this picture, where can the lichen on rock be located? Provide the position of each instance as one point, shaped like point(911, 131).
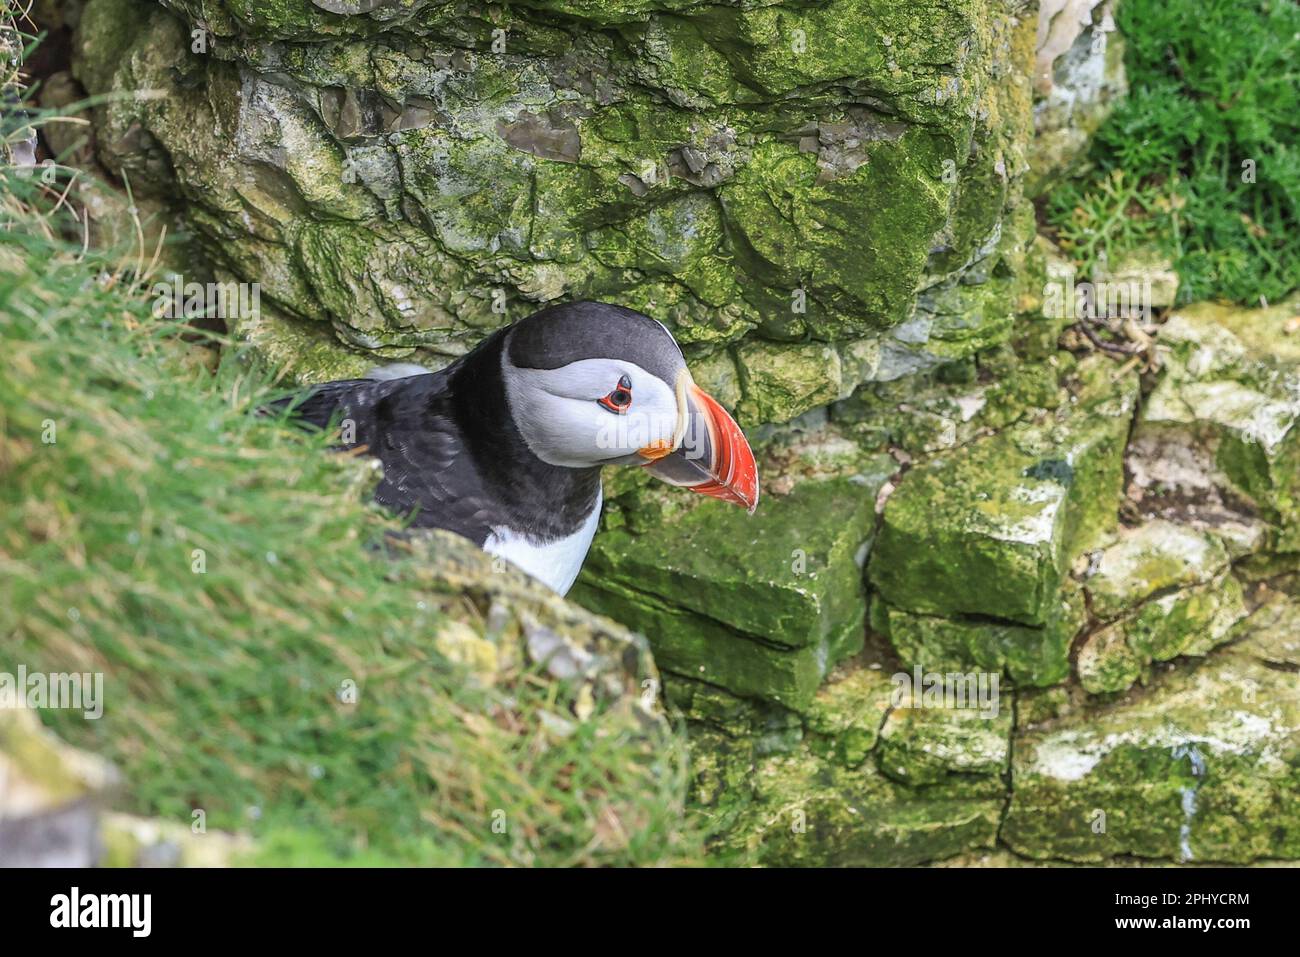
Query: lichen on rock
point(410, 176)
point(1160, 591)
point(1201, 767)
point(1078, 76)
point(1231, 397)
point(854, 780)
point(761, 606)
point(975, 546)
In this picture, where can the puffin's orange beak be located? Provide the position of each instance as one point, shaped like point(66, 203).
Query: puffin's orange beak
point(713, 457)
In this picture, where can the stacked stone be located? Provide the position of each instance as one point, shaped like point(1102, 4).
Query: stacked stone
point(1122, 557)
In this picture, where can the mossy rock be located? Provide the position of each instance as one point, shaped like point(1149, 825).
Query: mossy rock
point(780, 181)
point(844, 721)
point(950, 406)
point(990, 528)
point(866, 782)
point(814, 814)
point(1190, 621)
point(1156, 557)
point(966, 748)
point(1037, 656)
point(761, 605)
point(1200, 767)
point(1231, 391)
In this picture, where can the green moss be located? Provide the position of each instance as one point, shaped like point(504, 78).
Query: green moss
point(1232, 389)
point(1108, 662)
point(762, 605)
point(1038, 329)
point(679, 241)
point(710, 166)
point(965, 748)
point(108, 29)
point(308, 352)
point(778, 50)
point(925, 414)
point(1153, 558)
point(1188, 622)
point(707, 650)
point(780, 381)
point(990, 528)
point(1201, 768)
point(809, 813)
point(843, 722)
point(1030, 655)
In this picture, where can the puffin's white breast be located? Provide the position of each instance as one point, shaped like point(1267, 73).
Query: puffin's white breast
point(555, 563)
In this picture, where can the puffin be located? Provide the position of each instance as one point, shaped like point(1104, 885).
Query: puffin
point(505, 446)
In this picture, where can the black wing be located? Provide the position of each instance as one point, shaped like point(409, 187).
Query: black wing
point(411, 427)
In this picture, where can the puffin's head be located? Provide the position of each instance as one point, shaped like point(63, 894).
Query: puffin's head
point(592, 384)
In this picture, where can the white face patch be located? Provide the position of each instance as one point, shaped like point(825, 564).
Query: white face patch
point(559, 414)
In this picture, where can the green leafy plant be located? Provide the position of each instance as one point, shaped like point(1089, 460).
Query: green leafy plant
point(1202, 160)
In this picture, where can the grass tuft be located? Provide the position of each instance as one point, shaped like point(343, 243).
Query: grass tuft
point(215, 565)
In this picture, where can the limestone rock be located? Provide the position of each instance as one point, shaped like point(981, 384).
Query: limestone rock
point(761, 605)
point(990, 528)
point(1148, 271)
point(50, 796)
point(921, 745)
point(597, 660)
point(1161, 590)
point(923, 414)
point(915, 784)
point(845, 718)
point(408, 177)
point(1028, 654)
point(816, 814)
point(1230, 399)
point(785, 380)
point(1078, 76)
point(1152, 558)
point(1190, 621)
point(1200, 767)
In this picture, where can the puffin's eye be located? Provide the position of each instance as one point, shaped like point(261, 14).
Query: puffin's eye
point(620, 398)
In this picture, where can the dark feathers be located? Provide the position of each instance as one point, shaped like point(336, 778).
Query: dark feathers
point(562, 334)
point(451, 453)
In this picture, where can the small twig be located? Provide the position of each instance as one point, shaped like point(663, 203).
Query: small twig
point(63, 197)
point(1085, 325)
point(157, 253)
point(76, 120)
point(85, 233)
point(1126, 368)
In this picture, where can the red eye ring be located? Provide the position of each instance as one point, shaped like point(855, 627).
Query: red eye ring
point(619, 399)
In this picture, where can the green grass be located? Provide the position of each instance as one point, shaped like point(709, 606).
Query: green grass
point(222, 687)
point(1214, 83)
